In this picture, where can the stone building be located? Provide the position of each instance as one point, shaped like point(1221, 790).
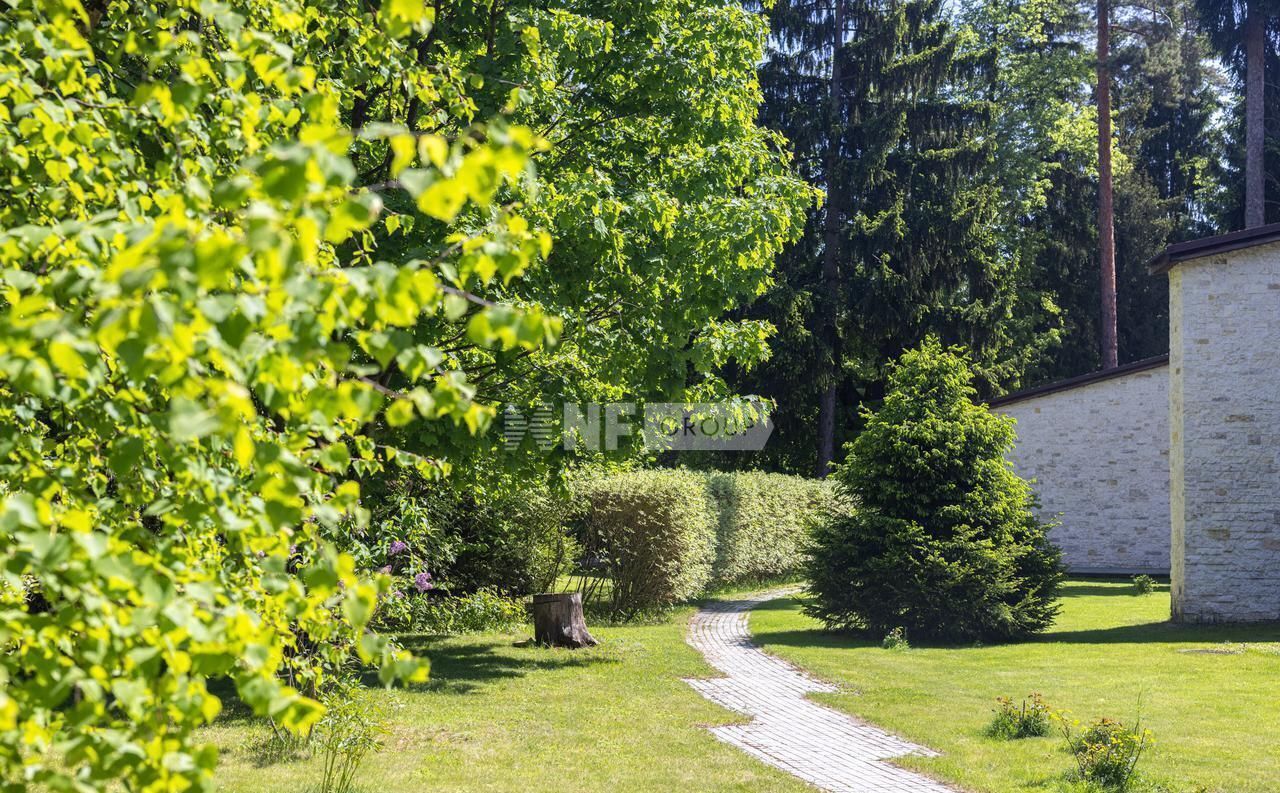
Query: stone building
point(1173, 464)
point(1097, 447)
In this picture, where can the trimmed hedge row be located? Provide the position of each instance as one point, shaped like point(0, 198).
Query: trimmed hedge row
point(654, 531)
point(663, 536)
point(764, 523)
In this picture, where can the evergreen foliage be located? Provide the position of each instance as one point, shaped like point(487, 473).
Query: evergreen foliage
point(1224, 22)
point(943, 541)
point(903, 141)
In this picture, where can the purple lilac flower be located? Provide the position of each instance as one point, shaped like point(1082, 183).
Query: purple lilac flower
point(386, 570)
point(423, 582)
point(397, 547)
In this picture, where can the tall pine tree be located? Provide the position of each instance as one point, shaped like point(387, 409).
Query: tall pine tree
point(1245, 34)
point(878, 98)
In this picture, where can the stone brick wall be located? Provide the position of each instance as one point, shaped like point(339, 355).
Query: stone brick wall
point(1225, 428)
point(1099, 453)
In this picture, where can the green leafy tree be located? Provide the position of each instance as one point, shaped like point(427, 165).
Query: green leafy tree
point(1166, 99)
point(667, 201)
point(942, 540)
point(195, 330)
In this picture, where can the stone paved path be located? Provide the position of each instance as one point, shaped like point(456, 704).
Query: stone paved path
point(824, 747)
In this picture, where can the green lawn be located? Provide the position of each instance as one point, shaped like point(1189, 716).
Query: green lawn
point(501, 717)
point(1215, 715)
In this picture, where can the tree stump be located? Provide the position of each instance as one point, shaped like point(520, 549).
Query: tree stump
point(558, 621)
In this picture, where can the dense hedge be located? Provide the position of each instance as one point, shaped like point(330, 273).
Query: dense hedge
point(664, 536)
point(410, 611)
point(764, 523)
point(654, 533)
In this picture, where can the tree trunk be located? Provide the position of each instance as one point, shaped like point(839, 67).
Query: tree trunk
point(826, 431)
point(1106, 213)
point(831, 254)
point(1255, 43)
point(558, 621)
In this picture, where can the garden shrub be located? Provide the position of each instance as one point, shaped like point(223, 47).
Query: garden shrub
point(1107, 751)
point(406, 610)
point(350, 729)
point(896, 639)
point(944, 540)
point(516, 541)
point(653, 532)
point(513, 538)
point(1029, 719)
point(764, 521)
point(1143, 585)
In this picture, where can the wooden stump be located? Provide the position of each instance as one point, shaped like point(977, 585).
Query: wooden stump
point(558, 621)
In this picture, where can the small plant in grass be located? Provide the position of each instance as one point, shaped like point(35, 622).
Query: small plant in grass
point(896, 639)
point(1030, 719)
point(1107, 751)
point(1143, 584)
point(279, 746)
point(349, 730)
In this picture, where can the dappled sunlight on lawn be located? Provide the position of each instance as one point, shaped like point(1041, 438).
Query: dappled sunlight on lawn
point(502, 714)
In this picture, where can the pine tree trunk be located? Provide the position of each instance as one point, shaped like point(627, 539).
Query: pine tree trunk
point(558, 621)
point(1106, 213)
point(1255, 42)
point(831, 254)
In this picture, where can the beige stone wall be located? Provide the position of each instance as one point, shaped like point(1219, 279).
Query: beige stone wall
point(1100, 456)
point(1225, 436)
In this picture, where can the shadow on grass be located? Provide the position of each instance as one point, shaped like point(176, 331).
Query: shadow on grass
point(1165, 633)
point(1102, 589)
point(463, 668)
point(786, 603)
point(1162, 632)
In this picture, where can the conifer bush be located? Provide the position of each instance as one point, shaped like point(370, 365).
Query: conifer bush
point(944, 541)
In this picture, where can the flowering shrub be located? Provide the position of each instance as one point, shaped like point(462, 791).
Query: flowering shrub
point(1029, 719)
point(1107, 751)
point(513, 538)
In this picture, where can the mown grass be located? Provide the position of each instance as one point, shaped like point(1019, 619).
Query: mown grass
point(500, 715)
point(1209, 694)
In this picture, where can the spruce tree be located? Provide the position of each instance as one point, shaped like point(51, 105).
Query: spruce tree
point(876, 98)
point(943, 539)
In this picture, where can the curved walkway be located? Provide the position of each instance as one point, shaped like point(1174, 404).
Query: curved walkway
point(824, 747)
